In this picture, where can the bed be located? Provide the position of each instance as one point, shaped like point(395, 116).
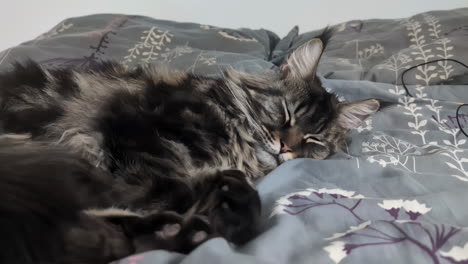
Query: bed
point(396, 193)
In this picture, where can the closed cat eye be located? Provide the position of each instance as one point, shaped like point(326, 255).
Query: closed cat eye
point(302, 108)
point(287, 115)
point(313, 138)
point(317, 139)
point(287, 124)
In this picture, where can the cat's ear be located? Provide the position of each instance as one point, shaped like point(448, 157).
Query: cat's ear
point(302, 63)
point(351, 115)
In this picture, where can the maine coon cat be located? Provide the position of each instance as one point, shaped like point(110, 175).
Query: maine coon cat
point(153, 159)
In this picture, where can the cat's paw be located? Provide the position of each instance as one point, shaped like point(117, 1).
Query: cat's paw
point(168, 231)
point(236, 211)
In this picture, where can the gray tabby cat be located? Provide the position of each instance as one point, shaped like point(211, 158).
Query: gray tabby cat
point(177, 152)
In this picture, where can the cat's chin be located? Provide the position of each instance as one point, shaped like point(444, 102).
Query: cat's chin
point(266, 158)
point(283, 157)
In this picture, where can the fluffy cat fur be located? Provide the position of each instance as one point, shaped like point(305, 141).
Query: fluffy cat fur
point(118, 161)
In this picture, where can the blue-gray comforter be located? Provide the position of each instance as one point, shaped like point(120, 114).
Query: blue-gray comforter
point(398, 191)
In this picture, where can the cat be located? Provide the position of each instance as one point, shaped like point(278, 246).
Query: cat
point(56, 207)
point(171, 156)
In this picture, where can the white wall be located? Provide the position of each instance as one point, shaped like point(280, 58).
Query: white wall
point(21, 20)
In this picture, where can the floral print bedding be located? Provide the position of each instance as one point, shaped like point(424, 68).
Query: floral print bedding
point(398, 190)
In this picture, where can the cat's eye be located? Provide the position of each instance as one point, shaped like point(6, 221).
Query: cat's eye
point(314, 138)
point(287, 115)
point(286, 123)
point(301, 108)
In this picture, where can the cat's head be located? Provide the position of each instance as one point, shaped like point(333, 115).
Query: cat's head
point(304, 120)
point(315, 123)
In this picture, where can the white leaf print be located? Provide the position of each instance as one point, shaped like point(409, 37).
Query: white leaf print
point(149, 47)
point(54, 32)
point(336, 191)
point(446, 142)
point(415, 206)
point(284, 201)
point(460, 177)
point(391, 204)
point(336, 251)
point(351, 229)
point(238, 38)
point(458, 254)
point(451, 165)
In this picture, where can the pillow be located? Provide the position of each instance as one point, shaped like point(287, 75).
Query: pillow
point(132, 40)
point(380, 50)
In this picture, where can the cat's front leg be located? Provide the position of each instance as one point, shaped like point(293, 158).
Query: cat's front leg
point(231, 204)
point(225, 204)
point(165, 230)
point(104, 235)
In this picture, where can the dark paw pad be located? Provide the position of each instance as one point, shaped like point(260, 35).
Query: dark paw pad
point(169, 231)
point(199, 237)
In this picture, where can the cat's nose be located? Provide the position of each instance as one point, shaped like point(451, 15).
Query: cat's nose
point(285, 148)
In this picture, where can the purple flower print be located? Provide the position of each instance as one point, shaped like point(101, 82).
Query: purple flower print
point(456, 255)
point(351, 229)
point(319, 195)
point(414, 209)
point(335, 193)
point(392, 207)
point(338, 249)
point(299, 202)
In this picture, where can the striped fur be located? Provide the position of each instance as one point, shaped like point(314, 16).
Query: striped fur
point(168, 137)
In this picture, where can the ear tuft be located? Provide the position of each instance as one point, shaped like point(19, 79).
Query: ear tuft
point(303, 62)
point(351, 115)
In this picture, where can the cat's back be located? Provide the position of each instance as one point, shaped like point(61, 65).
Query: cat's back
point(32, 96)
point(114, 115)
